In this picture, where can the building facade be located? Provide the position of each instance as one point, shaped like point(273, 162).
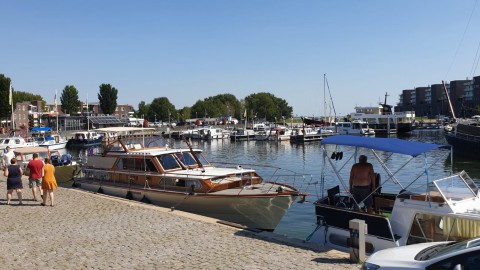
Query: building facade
point(432, 101)
point(28, 114)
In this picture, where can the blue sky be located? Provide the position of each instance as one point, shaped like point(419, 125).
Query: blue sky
point(190, 50)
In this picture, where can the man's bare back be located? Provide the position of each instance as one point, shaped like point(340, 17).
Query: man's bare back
point(361, 174)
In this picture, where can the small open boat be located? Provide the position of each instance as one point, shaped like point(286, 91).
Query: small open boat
point(184, 179)
point(83, 139)
point(445, 209)
point(65, 167)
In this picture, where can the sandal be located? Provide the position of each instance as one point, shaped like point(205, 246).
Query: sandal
point(42, 204)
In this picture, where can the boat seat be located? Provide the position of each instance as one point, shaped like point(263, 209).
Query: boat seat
point(383, 204)
point(423, 197)
point(331, 194)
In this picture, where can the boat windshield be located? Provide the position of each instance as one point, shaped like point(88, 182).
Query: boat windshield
point(188, 160)
point(457, 188)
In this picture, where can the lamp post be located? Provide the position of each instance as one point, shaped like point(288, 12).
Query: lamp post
point(169, 122)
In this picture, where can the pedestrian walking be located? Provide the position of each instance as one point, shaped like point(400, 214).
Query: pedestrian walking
point(49, 182)
point(7, 157)
point(35, 167)
point(14, 180)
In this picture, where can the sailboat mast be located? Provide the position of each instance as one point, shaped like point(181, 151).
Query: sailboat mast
point(448, 99)
point(324, 99)
point(88, 116)
point(56, 108)
point(10, 99)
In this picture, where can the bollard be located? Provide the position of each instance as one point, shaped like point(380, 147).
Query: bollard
point(356, 241)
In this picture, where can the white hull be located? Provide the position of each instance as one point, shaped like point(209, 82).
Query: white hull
point(262, 211)
point(54, 146)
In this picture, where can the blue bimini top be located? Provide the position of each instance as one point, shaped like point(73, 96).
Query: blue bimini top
point(393, 145)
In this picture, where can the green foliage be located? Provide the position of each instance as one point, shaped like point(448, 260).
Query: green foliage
point(185, 113)
point(107, 98)
point(477, 109)
point(216, 106)
point(5, 108)
point(162, 109)
point(266, 106)
point(19, 96)
point(142, 109)
point(69, 100)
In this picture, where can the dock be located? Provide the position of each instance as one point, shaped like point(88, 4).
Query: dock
point(93, 231)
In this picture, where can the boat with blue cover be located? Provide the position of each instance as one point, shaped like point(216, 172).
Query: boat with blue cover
point(447, 208)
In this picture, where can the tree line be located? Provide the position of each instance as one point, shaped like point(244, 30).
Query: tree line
point(262, 105)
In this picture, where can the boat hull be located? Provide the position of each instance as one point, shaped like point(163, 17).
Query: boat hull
point(54, 146)
point(79, 143)
point(260, 212)
point(464, 145)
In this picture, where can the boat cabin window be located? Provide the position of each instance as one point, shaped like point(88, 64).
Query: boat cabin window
point(137, 164)
point(429, 227)
point(202, 159)
point(188, 160)
point(180, 183)
point(168, 162)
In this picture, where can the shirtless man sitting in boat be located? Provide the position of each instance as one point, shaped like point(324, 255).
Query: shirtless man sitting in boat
point(362, 182)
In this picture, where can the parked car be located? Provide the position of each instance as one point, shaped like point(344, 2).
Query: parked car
point(464, 255)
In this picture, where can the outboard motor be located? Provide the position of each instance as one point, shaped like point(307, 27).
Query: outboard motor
point(56, 161)
point(66, 159)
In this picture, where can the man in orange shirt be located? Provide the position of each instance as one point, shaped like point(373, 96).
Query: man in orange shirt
point(35, 177)
point(362, 182)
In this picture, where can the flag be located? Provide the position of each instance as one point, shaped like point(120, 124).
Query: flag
point(245, 114)
point(55, 100)
point(10, 95)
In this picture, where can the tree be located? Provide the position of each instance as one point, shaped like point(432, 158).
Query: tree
point(216, 106)
point(107, 98)
point(69, 100)
point(162, 109)
point(267, 106)
point(142, 109)
point(185, 113)
point(5, 107)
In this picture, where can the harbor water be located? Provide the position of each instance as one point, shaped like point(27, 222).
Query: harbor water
point(307, 159)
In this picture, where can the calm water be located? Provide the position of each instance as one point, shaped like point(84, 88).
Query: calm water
point(307, 159)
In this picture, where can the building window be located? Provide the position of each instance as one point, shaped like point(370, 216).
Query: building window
point(122, 109)
point(116, 109)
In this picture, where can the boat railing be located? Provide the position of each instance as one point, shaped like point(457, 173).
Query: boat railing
point(275, 174)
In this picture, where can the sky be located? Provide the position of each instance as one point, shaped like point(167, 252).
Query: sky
point(188, 50)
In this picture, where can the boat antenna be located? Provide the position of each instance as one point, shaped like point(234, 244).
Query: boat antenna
point(448, 99)
point(187, 141)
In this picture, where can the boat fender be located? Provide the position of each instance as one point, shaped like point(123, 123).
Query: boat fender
point(334, 154)
point(145, 200)
point(129, 195)
point(100, 190)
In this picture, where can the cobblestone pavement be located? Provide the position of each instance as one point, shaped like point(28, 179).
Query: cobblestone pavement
point(90, 231)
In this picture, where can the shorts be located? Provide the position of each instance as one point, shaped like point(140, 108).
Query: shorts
point(360, 193)
point(35, 182)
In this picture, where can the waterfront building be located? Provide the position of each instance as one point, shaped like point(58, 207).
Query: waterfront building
point(432, 102)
